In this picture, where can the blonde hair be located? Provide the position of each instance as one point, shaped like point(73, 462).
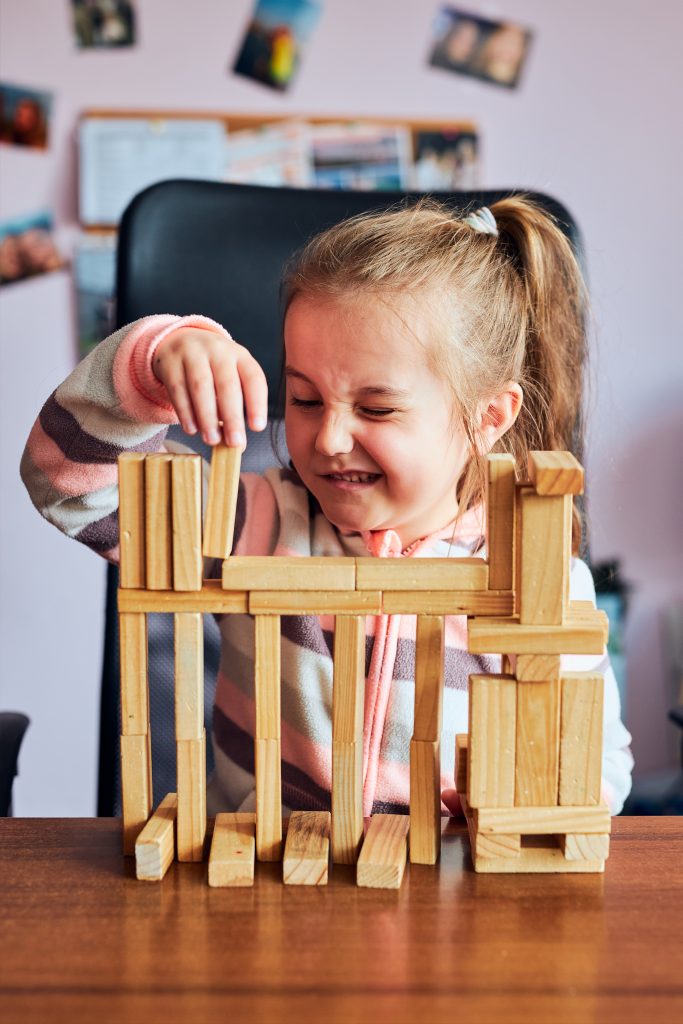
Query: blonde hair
point(514, 307)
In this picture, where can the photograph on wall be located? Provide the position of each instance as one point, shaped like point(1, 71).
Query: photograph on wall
point(274, 42)
point(361, 156)
point(494, 51)
point(272, 154)
point(27, 248)
point(103, 23)
point(94, 268)
point(24, 116)
point(445, 160)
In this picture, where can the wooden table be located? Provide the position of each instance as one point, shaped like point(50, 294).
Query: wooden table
point(82, 941)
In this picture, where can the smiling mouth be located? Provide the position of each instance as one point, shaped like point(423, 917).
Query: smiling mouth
point(353, 478)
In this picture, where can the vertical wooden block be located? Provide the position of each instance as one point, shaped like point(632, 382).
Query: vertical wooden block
point(382, 860)
point(429, 669)
point(520, 491)
point(307, 849)
point(492, 741)
point(158, 522)
point(348, 690)
point(461, 745)
point(231, 861)
point(537, 667)
point(500, 521)
point(136, 789)
point(224, 478)
point(268, 799)
point(347, 801)
point(555, 472)
point(191, 776)
point(186, 490)
point(155, 846)
point(544, 566)
point(133, 673)
point(581, 738)
point(425, 801)
point(132, 519)
point(267, 676)
point(189, 675)
point(538, 734)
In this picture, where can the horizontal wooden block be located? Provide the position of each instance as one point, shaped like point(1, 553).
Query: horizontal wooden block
point(593, 846)
point(221, 503)
point(347, 801)
point(266, 572)
point(307, 849)
point(580, 634)
point(492, 711)
point(131, 466)
point(382, 859)
point(461, 745)
point(496, 845)
point(133, 670)
point(186, 493)
point(540, 668)
point(211, 599)
point(425, 801)
point(500, 521)
point(318, 602)
point(233, 849)
point(543, 820)
point(431, 574)
point(555, 473)
point(581, 718)
point(136, 789)
point(463, 602)
point(158, 521)
point(155, 846)
point(191, 780)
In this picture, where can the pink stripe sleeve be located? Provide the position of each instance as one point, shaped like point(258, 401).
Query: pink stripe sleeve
point(70, 478)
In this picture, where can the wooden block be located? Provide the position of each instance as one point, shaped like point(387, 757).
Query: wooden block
point(158, 521)
point(537, 667)
point(581, 738)
point(307, 849)
point(425, 801)
point(132, 519)
point(136, 789)
point(500, 521)
point(538, 743)
point(133, 673)
point(495, 845)
point(593, 846)
point(155, 846)
point(544, 566)
point(432, 574)
point(231, 860)
point(555, 473)
point(268, 799)
point(191, 781)
point(429, 670)
point(579, 634)
point(189, 675)
point(186, 481)
point(492, 739)
point(221, 502)
point(318, 602)
point(266, 572)
point(267, 676)
point(211, 599)
point(542, 820)
point(382, 859)
point(348, 689)
point(461, 747)
point(347, 801)
point(456, 602)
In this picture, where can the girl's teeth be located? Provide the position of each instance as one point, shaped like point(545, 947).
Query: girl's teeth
point(354, 478)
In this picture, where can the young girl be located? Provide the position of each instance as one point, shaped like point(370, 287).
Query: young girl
point(415, 343)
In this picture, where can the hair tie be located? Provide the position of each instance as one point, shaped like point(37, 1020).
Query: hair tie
point(483, 221)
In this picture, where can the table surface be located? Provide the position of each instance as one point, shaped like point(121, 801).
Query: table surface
point(82, 940)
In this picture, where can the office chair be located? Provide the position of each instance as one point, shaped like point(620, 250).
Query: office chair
point(217, 249)
point(13, 725)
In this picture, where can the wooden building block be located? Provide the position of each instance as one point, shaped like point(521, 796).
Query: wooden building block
point(347, 801)
point(211, 599)
point(492, 740)
point(580, 633)
point(266, 572)
point(429, 671)
point(191, 783)
point(497, 845)
point(461, 754)
point(136, 789)
point(455, 602)
point(233, 847)
point(382, 859)
point(155, 846)
point(133, 673)
point(538, 743)
point(500, 521)
point(540, 668)
point(189, 675)
point(158, 521)
point(132, 519)
point(593, 846)
point(422, 574)
point(221, 502)
point(348, 689)
point(307, 849)
point(186, 483)
point(425, 801)
point(267, 676)
point(268, 799)
point(581, 738)
point(542, 820)
point(555, 473)
point(317, 602)
point(545, 568)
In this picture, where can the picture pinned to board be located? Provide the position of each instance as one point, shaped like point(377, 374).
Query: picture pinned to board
point(273, 44)
point(494, 51)
point(103, 23)
point(24, 116)
point(27, 248)
point(445, 160)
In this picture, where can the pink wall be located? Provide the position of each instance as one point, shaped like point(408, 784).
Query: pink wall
point(596, 122)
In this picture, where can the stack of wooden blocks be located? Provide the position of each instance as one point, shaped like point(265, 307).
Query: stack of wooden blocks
point(528, 770)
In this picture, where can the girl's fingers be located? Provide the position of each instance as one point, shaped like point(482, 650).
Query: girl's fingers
point(255, 390)
point(176, 387)
point(202, 393)
point(230, 402)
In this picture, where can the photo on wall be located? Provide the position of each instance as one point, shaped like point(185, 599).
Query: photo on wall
point(274, 42)
point(467, 44)
point(445, 160)
point(24, 116)
point(27, 248)
point(103, 23)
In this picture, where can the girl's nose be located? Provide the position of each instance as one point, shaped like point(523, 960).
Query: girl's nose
point(334, 436)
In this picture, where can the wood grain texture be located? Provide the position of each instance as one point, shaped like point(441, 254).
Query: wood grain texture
point(186, 490)
point(592, 846)
point(556, 473)
point(425, 801)
point(136, 789)
point(454, 602)
point(543, 820)
point(495, 844)
point(188, 645)
point(348, 687)
point(538, 743)
point(133, 674)
point(267, 670)
point(155, 846)
point(545, 568)
point(347, 801)
point(233, 849)
point(307, 848)
point(318, 602)
point(132, 519)
point(382, 859)
point(191, 785)
point(158, 522)
point(500, 521)
point(268, 799)
point(581, 633)
point(537, 667)
point(221, 502)
point(211, 599)
point(492, 741)
point(581, 718)
point(429, 676)
point(421, 574)
point(268, 572)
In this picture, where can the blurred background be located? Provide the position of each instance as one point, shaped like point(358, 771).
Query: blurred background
point(579, 100)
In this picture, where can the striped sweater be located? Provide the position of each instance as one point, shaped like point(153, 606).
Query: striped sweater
point(112, 402)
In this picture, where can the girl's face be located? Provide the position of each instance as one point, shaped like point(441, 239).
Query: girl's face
point(369, 425)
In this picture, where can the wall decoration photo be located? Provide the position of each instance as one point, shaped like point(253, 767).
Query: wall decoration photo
point(273, 45)
point(494, 51)
point(27, 248)
point(24, 116)
point(103, 23)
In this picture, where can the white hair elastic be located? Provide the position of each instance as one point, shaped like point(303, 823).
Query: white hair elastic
point(482, 220)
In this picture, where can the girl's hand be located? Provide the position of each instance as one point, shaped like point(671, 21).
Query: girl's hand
point(209, 380)
point(451, 798)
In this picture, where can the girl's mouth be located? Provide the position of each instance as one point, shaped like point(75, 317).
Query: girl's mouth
point(351, 481)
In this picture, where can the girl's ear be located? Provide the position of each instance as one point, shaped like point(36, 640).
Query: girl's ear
point(496, 415)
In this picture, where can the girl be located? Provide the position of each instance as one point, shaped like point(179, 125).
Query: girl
point(415, 343)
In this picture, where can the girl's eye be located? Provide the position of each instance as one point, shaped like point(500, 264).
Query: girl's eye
point(307, 403)
point(378, 413)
